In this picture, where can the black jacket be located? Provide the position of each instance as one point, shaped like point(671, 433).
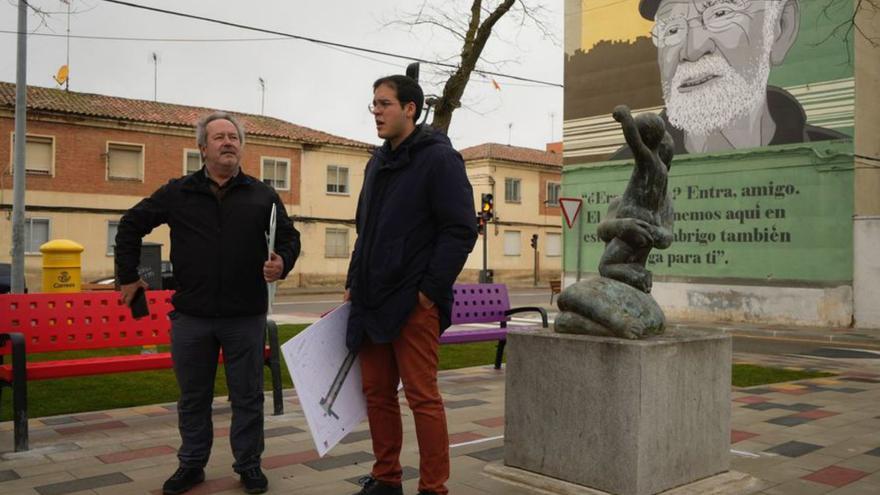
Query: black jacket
point(786, 112)
point(217, 247)
point(416, 225)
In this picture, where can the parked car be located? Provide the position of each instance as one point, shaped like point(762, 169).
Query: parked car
point(6, 278)
point(168, 282)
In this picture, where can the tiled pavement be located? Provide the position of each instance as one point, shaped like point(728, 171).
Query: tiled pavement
point(809, 437)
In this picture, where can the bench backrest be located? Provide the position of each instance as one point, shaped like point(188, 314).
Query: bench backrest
point(84, 320)
point(479, 303)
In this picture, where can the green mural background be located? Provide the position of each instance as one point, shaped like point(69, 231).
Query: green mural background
point(773, 215)
point(819, 54)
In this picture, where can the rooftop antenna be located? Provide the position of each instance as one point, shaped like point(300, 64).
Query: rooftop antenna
point(262, 96)
point(155, 58)
point(66, 75)
point(552, 130)
point(509, 129)
point(62, 77)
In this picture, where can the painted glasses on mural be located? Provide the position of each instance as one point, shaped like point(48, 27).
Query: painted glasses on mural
point(714, 60)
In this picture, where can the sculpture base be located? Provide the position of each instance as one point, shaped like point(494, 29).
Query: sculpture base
point(629, 417)
point(729, 483)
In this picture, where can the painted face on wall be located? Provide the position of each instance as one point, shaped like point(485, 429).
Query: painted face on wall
point(715, 58)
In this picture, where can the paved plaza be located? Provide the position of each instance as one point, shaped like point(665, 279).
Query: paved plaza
point(801, 438)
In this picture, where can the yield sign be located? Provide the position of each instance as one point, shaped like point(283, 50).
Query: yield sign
point(570, 208)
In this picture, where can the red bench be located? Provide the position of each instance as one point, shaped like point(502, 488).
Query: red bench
point(45, 323)
point(487, 304)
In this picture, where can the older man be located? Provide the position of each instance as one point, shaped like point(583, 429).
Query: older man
point(218, 217)
point(715, 58)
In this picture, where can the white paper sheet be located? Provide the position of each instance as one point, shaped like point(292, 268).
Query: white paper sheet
point(314, 358)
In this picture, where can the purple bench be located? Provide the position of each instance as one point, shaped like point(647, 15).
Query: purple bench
point(484, 303)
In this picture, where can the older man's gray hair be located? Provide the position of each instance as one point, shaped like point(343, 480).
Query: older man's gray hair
point(201, 127)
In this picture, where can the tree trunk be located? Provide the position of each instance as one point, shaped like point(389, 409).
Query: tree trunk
point(475, 40)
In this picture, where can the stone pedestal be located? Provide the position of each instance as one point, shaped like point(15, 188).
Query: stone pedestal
point(622, 416)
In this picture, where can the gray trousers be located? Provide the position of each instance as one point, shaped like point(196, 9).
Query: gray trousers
point(195, 347)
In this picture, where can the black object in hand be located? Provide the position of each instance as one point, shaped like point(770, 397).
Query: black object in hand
point(138, 304)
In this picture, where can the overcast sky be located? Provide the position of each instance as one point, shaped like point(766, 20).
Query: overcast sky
point(307, 84)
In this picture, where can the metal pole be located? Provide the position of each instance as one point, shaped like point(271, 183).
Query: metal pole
point(18, 184)
point(579, 244)
point(155, 77)
point(484, 275)
point(536, 266)
point(67, 64)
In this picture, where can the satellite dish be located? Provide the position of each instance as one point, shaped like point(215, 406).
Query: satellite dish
point(61, 76)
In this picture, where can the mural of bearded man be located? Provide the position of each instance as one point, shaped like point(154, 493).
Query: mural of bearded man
point(715, 58)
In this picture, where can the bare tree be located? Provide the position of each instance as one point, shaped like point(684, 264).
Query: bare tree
point(473, 29)
point(854, 23)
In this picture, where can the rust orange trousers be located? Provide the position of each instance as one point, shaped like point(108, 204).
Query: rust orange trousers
point(412, 358)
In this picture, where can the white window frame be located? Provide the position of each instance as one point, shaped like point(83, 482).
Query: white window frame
point(286, 161)
point(111, 243)
point(558, 194)
point(186, 153)
point(29, 229)
point(140, 177)
point(508, 234)
point(548, 244)
point(346, 252)
point(51, 138)
point(347, 181)
point(507, 182)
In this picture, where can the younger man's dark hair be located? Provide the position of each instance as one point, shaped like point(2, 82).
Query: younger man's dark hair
point(408, 90)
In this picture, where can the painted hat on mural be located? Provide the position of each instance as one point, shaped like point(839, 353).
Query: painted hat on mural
point(648, 8)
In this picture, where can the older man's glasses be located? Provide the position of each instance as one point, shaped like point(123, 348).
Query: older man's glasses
point(717, 17)
point(380, 105)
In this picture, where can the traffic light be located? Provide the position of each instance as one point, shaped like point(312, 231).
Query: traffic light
point(487, 208)
point(481, 225)
point(534, 241)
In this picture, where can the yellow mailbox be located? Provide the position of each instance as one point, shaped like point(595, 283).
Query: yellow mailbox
point(61, 266)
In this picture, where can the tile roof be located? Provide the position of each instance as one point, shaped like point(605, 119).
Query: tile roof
point(152, 112)
point(495, 151)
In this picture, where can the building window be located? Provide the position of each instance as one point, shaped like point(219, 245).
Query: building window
point(125, 161)
point(276, 172)
point(512, 245)
point(36, 233)
point(553, 191)
point(553, 245)
point(512, 190)
point(39, 154)
point(112, 228)
point(337, 179)
point(192, 161)
point(336, 243)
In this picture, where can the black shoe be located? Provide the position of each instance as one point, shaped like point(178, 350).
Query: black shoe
point(254, 481)
point(183, 480)
point(427, 493)
point(372, 486)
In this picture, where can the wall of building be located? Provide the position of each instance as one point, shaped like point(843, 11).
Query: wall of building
point(321, 210)
point(79, 200)
point(81, 160)
point(775, 231)
point(866, 221)
point(527, 217)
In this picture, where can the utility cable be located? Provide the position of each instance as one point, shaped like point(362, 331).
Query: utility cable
point(325, 42)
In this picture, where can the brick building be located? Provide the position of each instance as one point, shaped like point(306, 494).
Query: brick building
point(90, 157)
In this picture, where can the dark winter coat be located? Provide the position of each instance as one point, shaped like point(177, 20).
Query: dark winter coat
point(416, 225)
point(217, 247)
